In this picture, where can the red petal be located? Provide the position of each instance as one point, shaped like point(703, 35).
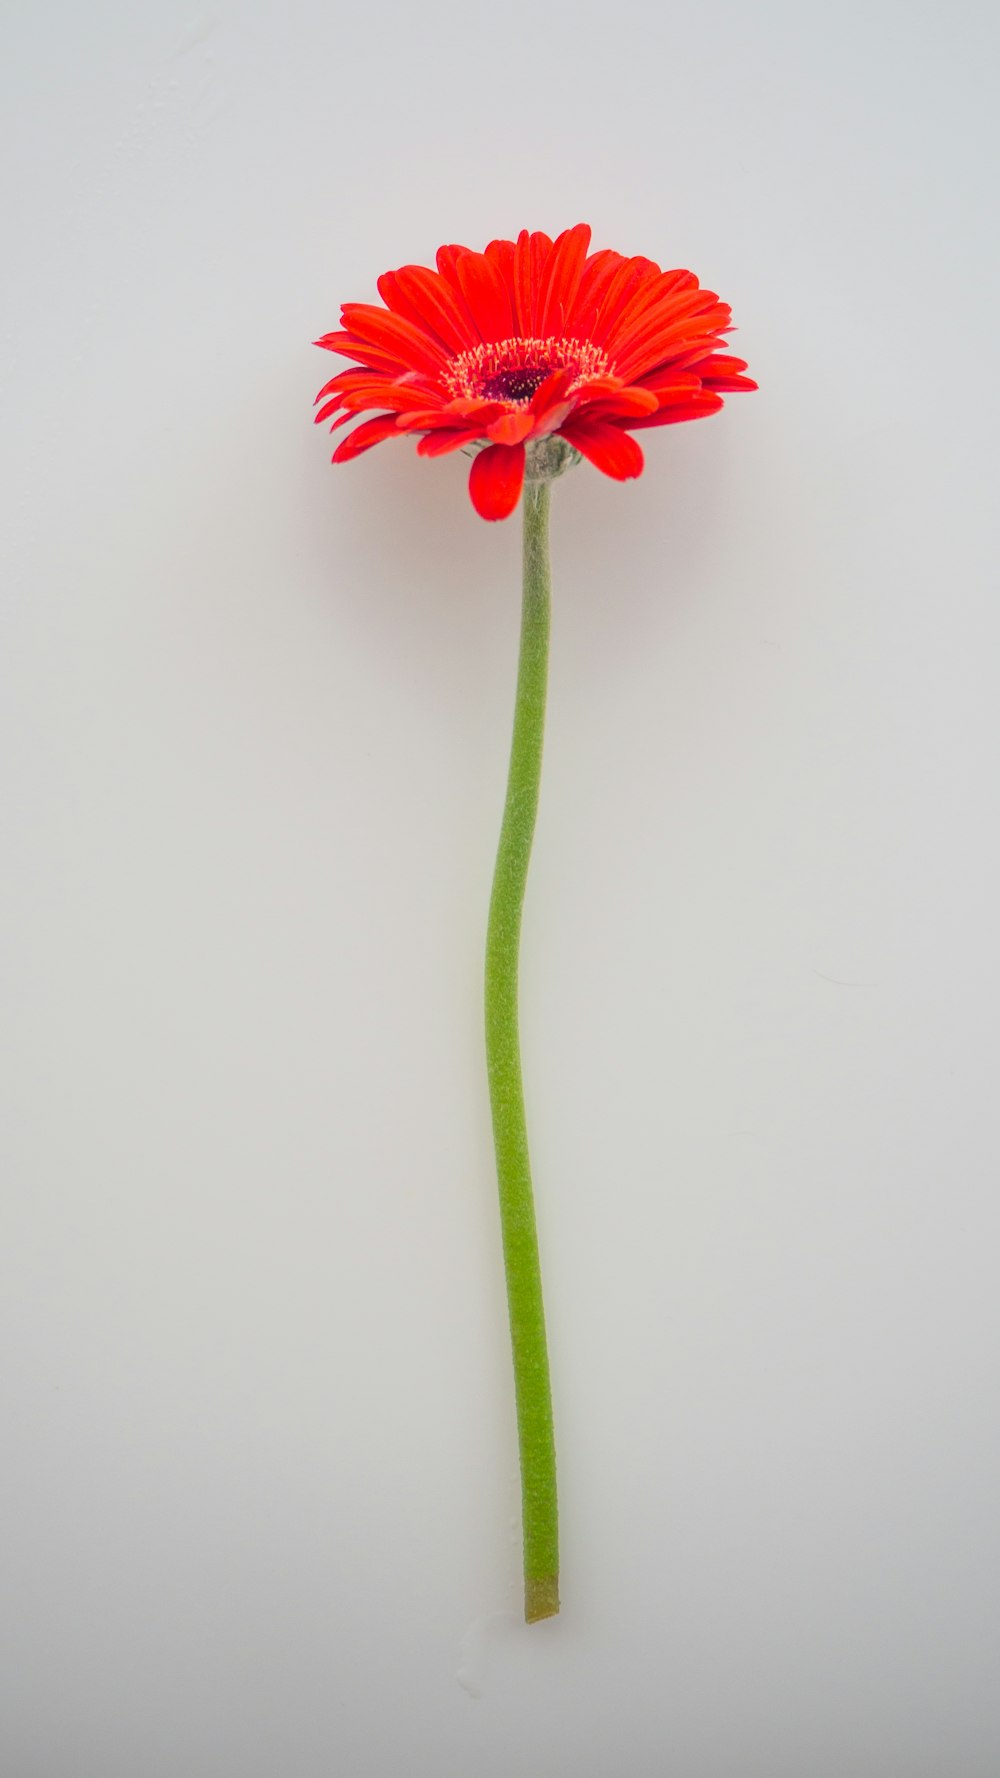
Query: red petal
point(552, 403)
point(402, 398)
point(667, 382)
point(538, 254)
point(679, 280)
point(621, 402)
point(562, 282)
point(411, 346)
point(523, 309)
point(732, 385)
point(724, 373)
point(689, 357)
point(655, 345)
point(352, 379)
point(592, 387)
point(438, 444)
point(694, 409)
point(510, 429)
point(501, 254)
point(728, 366)
point(460, 413)
point(597, 275)
point(637, 324)
point(549, 393)
point(553, 417)
point(486, 294)
point(606, 446)
point(628, 279)
point(349, 347)
point(496, 479)
point(396, 298)
point(370, 432)
point(434, 298)
point(668, 291)
point(446, 256)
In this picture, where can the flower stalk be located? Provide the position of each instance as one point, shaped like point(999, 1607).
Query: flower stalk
point(536, 1441)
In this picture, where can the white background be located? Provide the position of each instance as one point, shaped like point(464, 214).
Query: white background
point(259, 1496)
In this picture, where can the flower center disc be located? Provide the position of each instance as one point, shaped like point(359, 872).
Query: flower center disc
point(511, 370)
point(514, 385)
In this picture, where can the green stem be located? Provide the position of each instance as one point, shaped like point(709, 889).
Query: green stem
point(536, 1441)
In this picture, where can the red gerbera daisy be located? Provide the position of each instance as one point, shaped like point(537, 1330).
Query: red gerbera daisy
point(535, 351)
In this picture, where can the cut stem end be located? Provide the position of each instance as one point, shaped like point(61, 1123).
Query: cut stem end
point(541, 1598)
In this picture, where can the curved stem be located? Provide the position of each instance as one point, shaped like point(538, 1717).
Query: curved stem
point(536, 1441)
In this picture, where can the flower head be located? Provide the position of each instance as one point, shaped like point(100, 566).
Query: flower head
point(532, 340)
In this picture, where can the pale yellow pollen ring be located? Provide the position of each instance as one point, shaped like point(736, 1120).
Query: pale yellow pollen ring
point(511, 370)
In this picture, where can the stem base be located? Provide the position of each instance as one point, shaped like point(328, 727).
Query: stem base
point(541, 1598)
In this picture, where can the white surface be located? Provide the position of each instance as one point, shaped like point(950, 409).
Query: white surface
point(259, 1489)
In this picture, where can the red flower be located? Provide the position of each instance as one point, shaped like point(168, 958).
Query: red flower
point(530, 339)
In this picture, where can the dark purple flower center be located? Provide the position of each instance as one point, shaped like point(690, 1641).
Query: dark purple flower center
point(515, 385)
